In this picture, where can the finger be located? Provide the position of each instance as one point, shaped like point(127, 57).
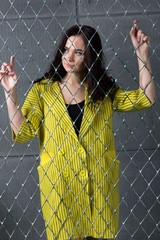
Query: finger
point(7, 67)
point(135, 26)
point(2, 72)
point(3, 68)
point(146, 39)
point(11, 73)
point(139, 35)
point(134, 29)
point(142, 36)
point(12, 62)
point(132, 33)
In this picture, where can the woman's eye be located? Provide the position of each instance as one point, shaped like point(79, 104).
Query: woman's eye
point(78, 53)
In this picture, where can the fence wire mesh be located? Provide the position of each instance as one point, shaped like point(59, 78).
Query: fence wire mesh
point(79, 177)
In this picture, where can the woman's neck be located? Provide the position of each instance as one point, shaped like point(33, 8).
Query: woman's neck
point(72, 79)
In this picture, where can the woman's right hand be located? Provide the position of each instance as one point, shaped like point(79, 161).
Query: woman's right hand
point(8, 77)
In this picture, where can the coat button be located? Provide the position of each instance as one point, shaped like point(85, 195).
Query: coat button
point(80, 150)
point(82, 173)
point(65, 174)
point(61, 152)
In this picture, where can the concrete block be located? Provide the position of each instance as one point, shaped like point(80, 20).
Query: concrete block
point(37, 9)
point(111, 8)
point(139, 191)
point(21, 215)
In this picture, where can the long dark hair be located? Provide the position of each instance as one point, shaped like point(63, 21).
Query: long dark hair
point(98, 81)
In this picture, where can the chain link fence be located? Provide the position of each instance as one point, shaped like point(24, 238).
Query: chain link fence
point(31, 30)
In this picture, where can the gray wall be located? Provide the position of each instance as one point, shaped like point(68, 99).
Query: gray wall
point(30, 30)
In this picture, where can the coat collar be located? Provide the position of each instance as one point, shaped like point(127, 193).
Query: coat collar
point(62, 115)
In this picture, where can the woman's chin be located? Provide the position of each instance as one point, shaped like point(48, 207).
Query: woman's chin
point(70, 70)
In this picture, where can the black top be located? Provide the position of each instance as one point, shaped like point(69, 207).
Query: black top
point(76, 113)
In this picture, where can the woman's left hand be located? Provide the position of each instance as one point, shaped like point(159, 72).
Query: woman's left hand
point(140, 42)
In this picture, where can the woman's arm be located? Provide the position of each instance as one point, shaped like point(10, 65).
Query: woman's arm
point(8, 80)
point(141, 43)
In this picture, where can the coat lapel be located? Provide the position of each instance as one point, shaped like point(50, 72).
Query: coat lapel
point(88, 115)
point(59, 109)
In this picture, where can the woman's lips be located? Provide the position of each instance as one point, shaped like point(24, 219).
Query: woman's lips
point(71, 66)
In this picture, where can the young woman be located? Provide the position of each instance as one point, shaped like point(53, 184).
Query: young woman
point(70, 109)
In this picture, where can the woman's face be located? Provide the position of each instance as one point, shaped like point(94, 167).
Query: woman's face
point(73, 56)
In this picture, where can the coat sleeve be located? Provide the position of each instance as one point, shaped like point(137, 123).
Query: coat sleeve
point(129, 101)
point(33, 115)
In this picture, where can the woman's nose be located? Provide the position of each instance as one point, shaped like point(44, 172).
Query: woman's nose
point(69, 56)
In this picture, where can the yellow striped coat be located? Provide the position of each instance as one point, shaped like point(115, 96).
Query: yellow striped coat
point(78, 176)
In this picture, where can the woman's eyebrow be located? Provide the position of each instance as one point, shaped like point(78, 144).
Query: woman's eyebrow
point(77, 49)
point(80, 50)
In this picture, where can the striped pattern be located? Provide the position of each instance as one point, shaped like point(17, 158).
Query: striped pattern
point(78, 176)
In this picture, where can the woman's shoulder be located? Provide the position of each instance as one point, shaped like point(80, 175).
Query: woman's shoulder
point(42, 83)
point(45, 85)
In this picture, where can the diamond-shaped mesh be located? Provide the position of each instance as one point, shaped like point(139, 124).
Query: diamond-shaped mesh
point(81, 189)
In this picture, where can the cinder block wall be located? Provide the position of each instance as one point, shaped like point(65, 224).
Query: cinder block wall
point(30, 30)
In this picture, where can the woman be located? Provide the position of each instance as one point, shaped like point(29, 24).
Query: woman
point(70, 110)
